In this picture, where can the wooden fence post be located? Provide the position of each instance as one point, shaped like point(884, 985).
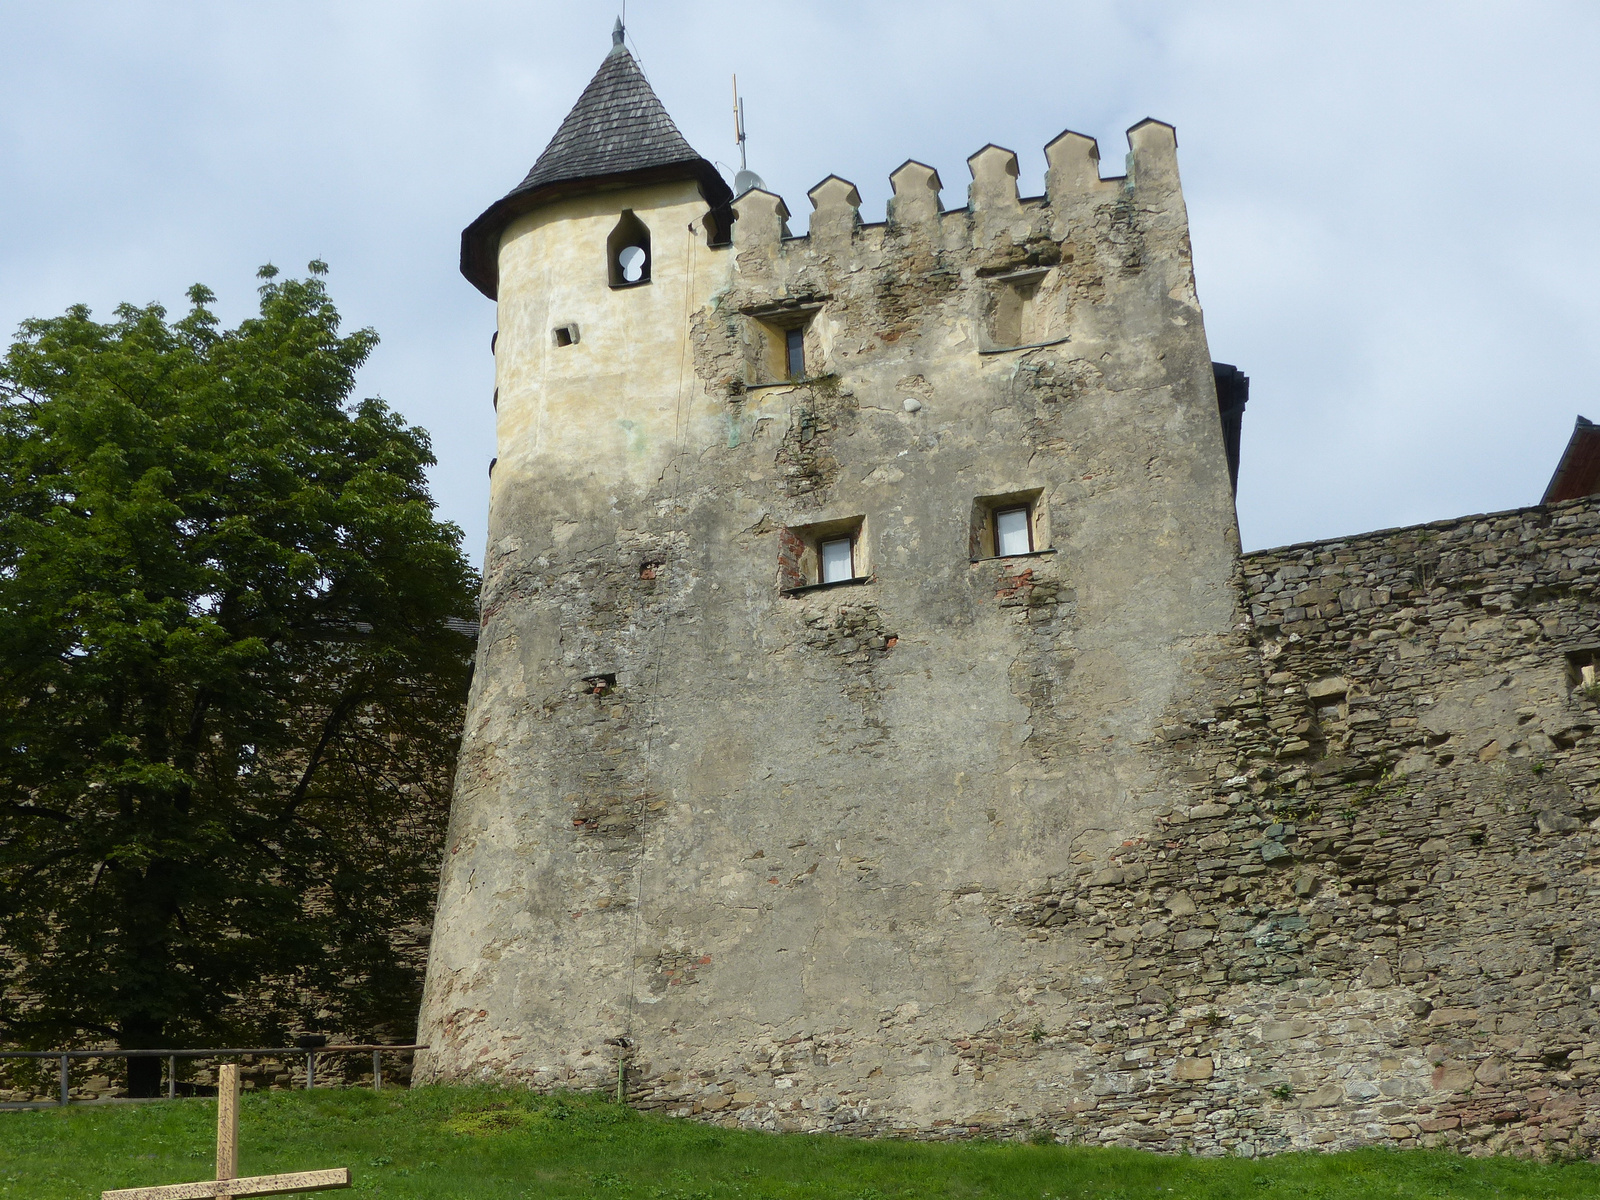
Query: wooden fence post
point(228, 1121)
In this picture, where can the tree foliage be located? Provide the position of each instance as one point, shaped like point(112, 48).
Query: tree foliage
point(229, 696)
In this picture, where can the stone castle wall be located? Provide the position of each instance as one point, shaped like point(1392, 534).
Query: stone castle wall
point(1374, 915)
point(1370, 915)
point(1130, 840)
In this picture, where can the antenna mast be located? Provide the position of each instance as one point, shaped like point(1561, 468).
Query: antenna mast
point(738, 123)
point(746, 178)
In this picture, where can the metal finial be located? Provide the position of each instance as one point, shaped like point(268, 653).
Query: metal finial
point(617, 33)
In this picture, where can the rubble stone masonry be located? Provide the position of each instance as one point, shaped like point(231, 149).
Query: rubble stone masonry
point(1373, 916)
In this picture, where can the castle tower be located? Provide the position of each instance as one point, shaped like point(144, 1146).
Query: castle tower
point(837, 588)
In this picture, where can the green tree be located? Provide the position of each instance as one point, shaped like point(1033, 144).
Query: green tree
point(230, 689)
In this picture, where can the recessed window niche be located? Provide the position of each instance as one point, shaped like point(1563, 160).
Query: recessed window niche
point(825, 554)
point(781, 345)
point(1016, 312)
point(628, 252)
point(1009, 525)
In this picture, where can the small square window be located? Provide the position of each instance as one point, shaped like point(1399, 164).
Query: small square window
point(838, 560)
point(776, 349)
point(1013, 531)
point(1010, 524)
point(822, 555)
point(566, 335)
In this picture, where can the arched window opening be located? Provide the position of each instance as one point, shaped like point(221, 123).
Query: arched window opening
point(628, 251)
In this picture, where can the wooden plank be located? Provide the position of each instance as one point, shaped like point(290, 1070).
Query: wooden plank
point(255, 1185)
point(227, 1122)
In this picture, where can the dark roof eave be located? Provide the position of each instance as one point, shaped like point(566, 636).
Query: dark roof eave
point(480, 241)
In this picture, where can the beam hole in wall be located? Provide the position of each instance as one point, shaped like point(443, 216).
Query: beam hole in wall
point(823, 554)
point(1009, 524)
point(602, 683)
point(628, 252)
point(1583, 670)
point(566, 335)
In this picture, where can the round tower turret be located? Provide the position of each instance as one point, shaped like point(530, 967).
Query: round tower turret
point(589, 259)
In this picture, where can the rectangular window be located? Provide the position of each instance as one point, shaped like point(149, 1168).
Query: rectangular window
point(823, 554)
point(795, 351)
point(838, 560)
point(1013, 531)
point(775, 343)
point(1010, 524)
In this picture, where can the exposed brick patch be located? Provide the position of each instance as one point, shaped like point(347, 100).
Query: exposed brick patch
point(791, 549)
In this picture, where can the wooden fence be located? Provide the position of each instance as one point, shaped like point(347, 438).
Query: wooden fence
point(65, 1058)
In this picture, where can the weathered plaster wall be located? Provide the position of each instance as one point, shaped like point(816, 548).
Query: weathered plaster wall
point(575, 423)
point(786, 812)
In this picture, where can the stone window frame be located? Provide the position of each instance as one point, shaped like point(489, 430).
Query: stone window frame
point(768, 329)
point(800, 554)
point(982, 544)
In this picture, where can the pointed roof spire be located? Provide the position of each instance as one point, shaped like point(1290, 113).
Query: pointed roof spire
point(617, 135)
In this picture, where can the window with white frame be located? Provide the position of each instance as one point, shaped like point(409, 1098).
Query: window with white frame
point(823, 554)
point(1013, 531)
point(1009, 524)
point(838, 556)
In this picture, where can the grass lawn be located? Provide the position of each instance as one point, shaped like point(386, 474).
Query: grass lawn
point(448, 1143)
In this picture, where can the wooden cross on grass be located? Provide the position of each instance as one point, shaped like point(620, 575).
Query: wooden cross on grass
point(227, 1182)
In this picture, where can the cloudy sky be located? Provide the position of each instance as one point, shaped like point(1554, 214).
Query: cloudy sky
point(1393, 205)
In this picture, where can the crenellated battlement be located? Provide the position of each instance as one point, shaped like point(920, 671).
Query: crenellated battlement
point(995, 210)
point(1086, 262)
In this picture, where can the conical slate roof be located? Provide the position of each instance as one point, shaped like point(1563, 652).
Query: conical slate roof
point(618, 134)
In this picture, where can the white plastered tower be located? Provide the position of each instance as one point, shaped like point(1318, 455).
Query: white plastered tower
point(597, 262)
